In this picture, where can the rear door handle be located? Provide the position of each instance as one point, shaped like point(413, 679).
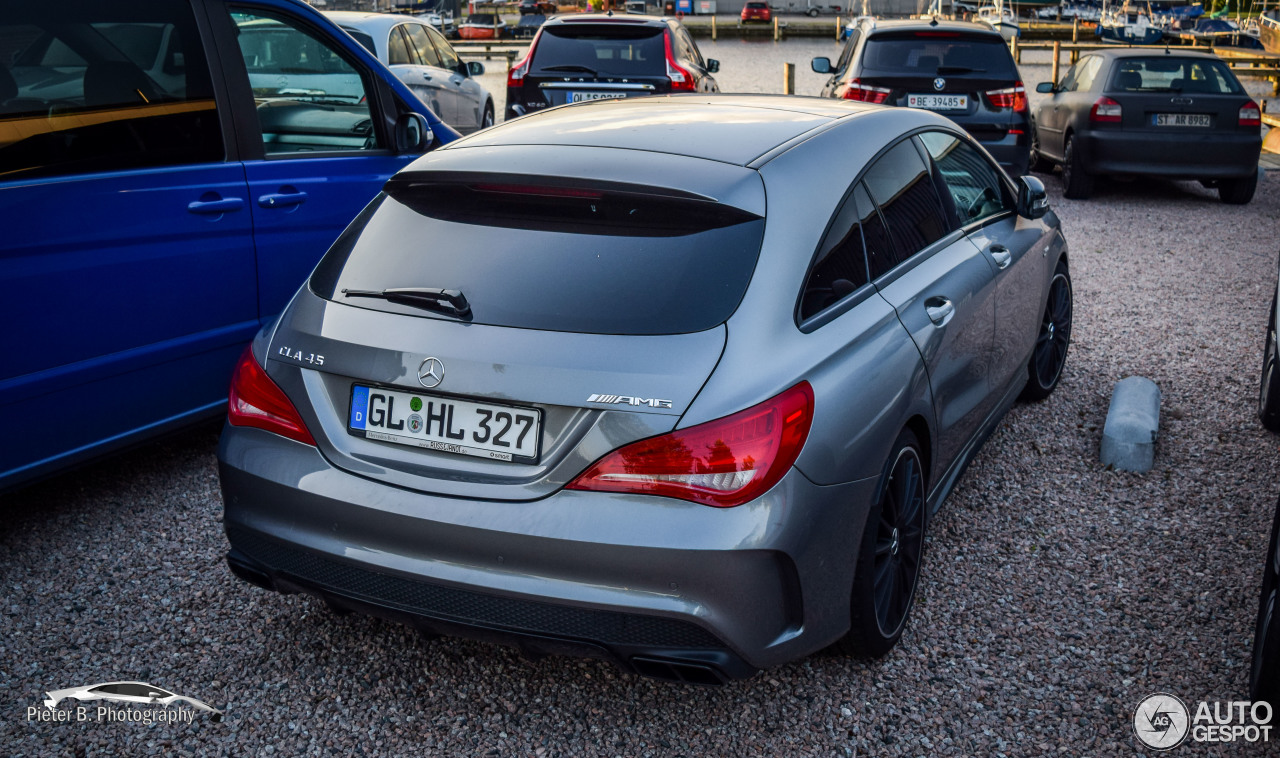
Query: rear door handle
point(940, 310)
point(282, 199)
point(1002, 255)
point(212, 207)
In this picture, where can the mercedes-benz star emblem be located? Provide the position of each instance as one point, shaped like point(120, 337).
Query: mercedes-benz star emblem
point(431, 373)
point(939, 83)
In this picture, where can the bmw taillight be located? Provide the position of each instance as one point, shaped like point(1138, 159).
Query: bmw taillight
point(681, 79)
point(723, 463)
point(1014, 97)
point(1250, 114)
point(258, 402)
point(865, 93)
point(1106, 111)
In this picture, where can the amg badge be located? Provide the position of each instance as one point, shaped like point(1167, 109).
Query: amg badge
point(627, 400)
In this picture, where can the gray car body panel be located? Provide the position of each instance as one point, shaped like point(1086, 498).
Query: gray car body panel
point(770, 578)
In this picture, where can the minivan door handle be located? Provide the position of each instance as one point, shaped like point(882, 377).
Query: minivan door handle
point(282, 199)
point(214, 207)
point(940, 310)
point(1001, 255)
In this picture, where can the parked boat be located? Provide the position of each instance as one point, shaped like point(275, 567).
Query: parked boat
point(1222, 31)
point(1128, 26)
point(483, 26)
point(1269, 31)
point(1000, 18)
point(1084, 11)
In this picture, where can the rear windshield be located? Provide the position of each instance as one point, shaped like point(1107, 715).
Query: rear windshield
point(600, 263)
point(615, 49)
point(1169, 74)
point(933, 53)
point(757, 6)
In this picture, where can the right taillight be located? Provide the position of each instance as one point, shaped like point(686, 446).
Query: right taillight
point(1250, 114)
point(723, 463)
point(258, 402)
point(1014, 97)
point(1106, 111)
point(681, 79)
point(865, 93)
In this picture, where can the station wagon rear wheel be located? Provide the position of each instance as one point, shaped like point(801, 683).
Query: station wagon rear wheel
point(1269, 391)
point(1054, 338)
point(888, 569)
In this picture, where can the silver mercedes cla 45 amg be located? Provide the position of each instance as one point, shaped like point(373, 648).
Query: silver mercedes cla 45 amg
point(677, 382)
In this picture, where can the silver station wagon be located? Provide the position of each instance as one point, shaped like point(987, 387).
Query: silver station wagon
point(672, 381)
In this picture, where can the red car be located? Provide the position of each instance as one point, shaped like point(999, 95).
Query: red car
point(757, 11)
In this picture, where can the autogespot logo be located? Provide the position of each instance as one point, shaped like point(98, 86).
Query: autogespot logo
point(1161, 721)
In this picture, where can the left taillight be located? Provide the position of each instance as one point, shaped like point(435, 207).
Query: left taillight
point(257, 401)
point(1106, 111)
point(681, 79)
point(1250, 114)
point(722, 463)
point(1014, 97)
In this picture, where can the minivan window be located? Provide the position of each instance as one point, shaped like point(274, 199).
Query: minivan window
point(924, 53)
point(616, 49)
point(84, 87)
point(589, 262)
point(900, 184)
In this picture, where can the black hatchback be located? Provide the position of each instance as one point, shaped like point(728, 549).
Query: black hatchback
point(601, 56)
point(963, 71)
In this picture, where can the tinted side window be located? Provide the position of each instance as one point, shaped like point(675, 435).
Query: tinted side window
point(880, 253)
point(973, 183)
point(847, 53)
point(422, 44)
point(310, 98)
point(900, 184)
point(448, 58)
point(841, 266)
point(103, 86)
point(398, 48)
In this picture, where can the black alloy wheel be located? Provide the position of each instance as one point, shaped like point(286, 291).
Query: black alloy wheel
point(1264, 674)
point(889, 561)
point(1269, 391)
point(1076, 184)
point(1050, 353)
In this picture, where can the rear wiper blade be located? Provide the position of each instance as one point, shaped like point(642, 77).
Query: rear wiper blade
point(570, 67)
point(452, 302)
point(960, 70)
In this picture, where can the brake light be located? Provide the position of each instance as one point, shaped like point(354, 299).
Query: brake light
point(538, 190)
point(258, 402)
point(515, 75)
point(1250, 114)
point(944, 35)
point(1106, 111)
point(681, 79)
point(1014, 97)
point(722, 463)
point(865, 93)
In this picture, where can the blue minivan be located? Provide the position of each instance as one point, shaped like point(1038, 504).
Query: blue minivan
point(170, 171)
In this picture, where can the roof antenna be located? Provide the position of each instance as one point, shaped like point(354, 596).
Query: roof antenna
point(610, 13)
point(933, 21)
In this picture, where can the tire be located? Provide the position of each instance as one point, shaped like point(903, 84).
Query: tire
point(1049, 356)
point(1269, 387)
point(1036, 161)
point(889, 557)
point(486, 120)
point(813, 13)
point(1264, 673)
point(1238, 191)
point(1076, 184)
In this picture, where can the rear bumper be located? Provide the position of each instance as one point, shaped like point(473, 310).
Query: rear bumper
point(1011, 151)
point(662, 587)
point(1215, 155)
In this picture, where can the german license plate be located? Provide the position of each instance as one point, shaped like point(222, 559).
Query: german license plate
point(1181, 119)
point(582, 97)
point(938, 102)
point(445, 424)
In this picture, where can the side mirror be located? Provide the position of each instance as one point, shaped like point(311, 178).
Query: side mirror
point(412, 133)
point(820, 65)
point(1033, 202)
point(1045, 87)
point(713, 65)
point(475, 68)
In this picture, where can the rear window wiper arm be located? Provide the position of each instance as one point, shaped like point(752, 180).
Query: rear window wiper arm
point(452, 302)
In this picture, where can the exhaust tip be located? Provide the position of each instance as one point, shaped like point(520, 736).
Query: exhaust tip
point(678, 671)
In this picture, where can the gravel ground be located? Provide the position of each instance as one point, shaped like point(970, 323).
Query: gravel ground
point(1056, 594)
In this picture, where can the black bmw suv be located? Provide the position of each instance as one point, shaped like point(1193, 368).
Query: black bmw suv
point(962, 70)
point(600, 56)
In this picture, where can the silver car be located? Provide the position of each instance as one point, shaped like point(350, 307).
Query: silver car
point(672, 381)
point(425, 61)
point(136, 693)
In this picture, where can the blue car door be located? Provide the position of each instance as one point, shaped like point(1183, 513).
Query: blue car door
point(314, 136)
point(127, 260)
